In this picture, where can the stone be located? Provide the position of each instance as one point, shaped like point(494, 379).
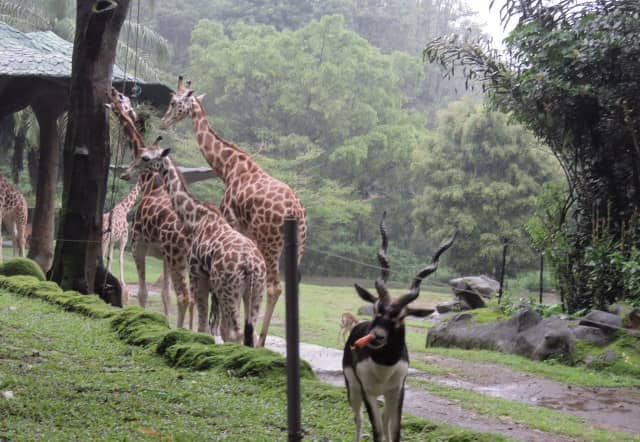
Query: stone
point(607, 322)
point(449, 306)
point(592, 334)
point(470, 298)
point(482, 285)
point(525, 334)
point(366, 310)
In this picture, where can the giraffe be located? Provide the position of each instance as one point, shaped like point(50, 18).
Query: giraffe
point(157, 229)
point(223, 263)
point(13, 213)
point(115, 229)
point(254, 202)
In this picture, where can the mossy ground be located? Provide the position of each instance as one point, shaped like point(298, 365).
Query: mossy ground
point(73, 379)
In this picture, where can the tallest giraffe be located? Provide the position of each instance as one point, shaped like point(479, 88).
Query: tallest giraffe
point(254, 202)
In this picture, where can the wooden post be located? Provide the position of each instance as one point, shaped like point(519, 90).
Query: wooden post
point(505, 243)
point(541, 275)
point(292, 328)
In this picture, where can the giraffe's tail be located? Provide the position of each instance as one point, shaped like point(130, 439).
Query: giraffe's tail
point(254, 292)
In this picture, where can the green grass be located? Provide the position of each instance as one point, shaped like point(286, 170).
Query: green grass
point(540, 418)
point(321, 306)
point(73, 379)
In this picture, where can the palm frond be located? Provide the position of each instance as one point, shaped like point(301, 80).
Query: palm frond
point(146, 39)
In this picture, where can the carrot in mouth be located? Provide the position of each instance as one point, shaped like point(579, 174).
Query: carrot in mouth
point(363, 341)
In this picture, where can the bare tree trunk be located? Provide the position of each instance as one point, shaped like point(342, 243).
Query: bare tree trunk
point(43, 222)
point(86, 147)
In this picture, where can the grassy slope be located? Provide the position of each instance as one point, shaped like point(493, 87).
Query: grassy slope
point(72, 379)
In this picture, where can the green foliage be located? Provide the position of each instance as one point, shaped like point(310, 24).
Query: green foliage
point(482, 177)
point(22, 266)
point(572, 78)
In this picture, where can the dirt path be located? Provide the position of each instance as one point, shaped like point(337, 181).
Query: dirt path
point(613, 408)
point(326, 362)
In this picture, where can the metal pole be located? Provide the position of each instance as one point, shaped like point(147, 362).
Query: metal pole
point(541, 275)
point(505, 242)
point(292, 329)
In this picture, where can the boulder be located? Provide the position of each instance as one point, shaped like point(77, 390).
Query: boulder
point(451, 306)
point(472, 289)
point(525, 334)
point(607, 322)
point(481, 285)
point(366, 310)
point(592, 334)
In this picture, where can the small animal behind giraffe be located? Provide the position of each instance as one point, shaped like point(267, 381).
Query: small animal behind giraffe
point(115, 229)
point(347, 322)
point(223, 263)
point(13, 214)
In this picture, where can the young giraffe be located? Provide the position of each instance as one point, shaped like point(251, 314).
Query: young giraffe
point(13, 213)
point(254, 203)
point(115, 229)
point(223, 262)
point(157, 229)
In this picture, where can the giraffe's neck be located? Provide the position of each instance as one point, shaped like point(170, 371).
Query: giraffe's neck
point(130, 199)
point(225, 158)
point(136, 143)
point(190, 209)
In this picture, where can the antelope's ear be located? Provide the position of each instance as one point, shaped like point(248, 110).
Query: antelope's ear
point(165, 152)
point(365, 294)
point(419, 312)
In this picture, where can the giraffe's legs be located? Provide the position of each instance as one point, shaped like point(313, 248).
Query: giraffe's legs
point(110, 257)
point(229, 318)
point(273, 293)
point(200, 291)
point(20, 238)
point(123, 243)
point(139, 252)
point(1, 243)
point(183, 294)
point(166, 288)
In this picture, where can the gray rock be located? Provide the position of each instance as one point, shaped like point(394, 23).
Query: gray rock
point(449, 306)
point(366, 310)
point(482, 285)
point(592, 334)
point(607, 322)
point(526, 334)
point(470, 298)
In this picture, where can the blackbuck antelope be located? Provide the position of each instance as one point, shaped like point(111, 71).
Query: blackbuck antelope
point(347, 322)
point(375, 360)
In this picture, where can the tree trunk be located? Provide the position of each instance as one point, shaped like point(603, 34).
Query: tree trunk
point(86, 147)
point(43, 222)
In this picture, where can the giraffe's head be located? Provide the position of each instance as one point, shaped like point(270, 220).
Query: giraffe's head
point(152, 158)
point(121, 105)
point(181, 105)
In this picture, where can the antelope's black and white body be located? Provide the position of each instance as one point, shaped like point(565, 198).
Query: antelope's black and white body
point(375, 360)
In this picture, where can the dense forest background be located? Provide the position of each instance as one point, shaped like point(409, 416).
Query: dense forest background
point(333, 97)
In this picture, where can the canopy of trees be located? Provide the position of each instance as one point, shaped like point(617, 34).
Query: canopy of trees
point(573, 79)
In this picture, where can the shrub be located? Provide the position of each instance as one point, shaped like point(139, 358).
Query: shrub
point(22, 266)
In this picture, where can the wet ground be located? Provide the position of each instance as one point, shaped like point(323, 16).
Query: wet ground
point(615, 409)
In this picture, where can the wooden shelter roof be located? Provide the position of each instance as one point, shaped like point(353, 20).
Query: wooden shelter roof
point(40, 62)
